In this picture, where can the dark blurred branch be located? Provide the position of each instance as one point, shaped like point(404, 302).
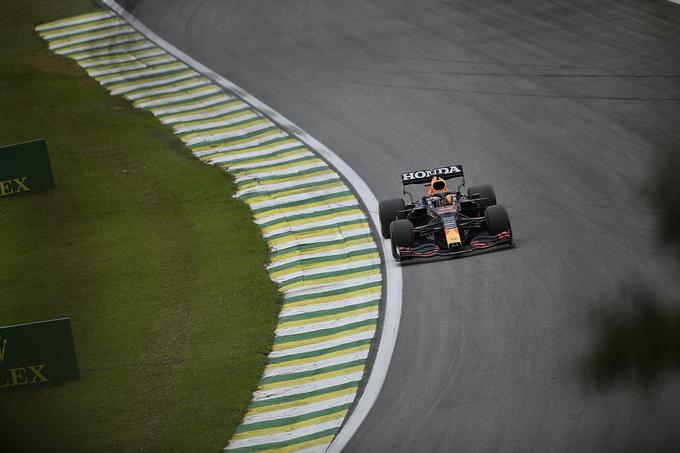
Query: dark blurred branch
point(665, 197)
point(638, 340)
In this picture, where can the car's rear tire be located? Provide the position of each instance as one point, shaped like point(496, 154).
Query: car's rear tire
point(497, 219)
point(486, 194)
point(401, 232)
point(388, 211)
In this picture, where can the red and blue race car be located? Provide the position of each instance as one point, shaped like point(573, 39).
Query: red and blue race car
point(443, 222)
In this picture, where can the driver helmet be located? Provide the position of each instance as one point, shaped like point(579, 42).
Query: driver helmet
point(437, 185)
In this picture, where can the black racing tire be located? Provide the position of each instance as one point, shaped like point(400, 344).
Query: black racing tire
point(401, 232)
point(497, 219)
point(486, 193)
point(388, 210)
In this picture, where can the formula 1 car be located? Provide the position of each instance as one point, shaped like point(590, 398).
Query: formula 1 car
point(443, 223)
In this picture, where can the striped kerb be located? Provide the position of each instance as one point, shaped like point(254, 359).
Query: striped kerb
point(323, 255)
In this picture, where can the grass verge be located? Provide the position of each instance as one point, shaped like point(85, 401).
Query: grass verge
point(159, 268)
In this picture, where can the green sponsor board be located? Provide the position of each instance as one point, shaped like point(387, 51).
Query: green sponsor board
point(25, 168)
point(37, 353)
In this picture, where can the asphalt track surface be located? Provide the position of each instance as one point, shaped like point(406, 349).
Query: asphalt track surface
point(563, 106)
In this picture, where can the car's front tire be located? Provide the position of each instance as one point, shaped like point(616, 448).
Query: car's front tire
point(388, 211)
point(497, 219)
point(401, 232)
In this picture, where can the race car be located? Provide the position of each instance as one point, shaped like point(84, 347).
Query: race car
point(443, 222)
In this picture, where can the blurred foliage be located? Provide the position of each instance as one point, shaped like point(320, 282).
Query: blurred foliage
point(638, 338)
point(665, 197)
point(638, 341)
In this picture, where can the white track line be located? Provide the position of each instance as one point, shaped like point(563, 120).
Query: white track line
point(177, 88)
point(343, 265)
point(329, 305)
point(314, 365)
point(206, 113)
point(253, 154)
point(273, 202)
point(125, 87)
point(337, 322)
point(116, 59)
point(264, 188)
point(286, 435)
point(393, 285)
point(236, 118)
point(365, 245)
point(122, 49)
point(283, 172)
point(338, 236)
point(297, 411)
point(88, 46)
point(364, 335)
point(177, 97)
point(323, 287)
point(287, 228)
point(68, 23)
point(296, 389)
point(320, 208)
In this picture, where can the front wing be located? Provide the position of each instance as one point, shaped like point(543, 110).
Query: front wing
point(482, 242)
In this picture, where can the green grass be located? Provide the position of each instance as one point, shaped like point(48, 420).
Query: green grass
point(142, 246)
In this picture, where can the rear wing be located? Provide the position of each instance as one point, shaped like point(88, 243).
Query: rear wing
point(425, 176)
